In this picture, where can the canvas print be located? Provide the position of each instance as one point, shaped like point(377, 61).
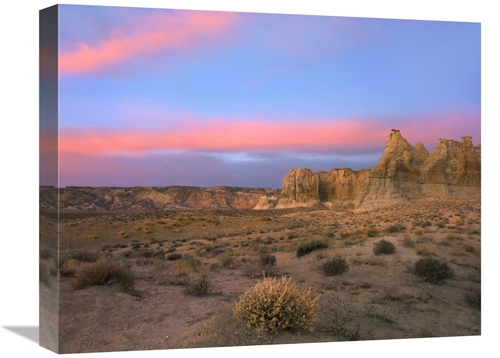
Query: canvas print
point(215, 179)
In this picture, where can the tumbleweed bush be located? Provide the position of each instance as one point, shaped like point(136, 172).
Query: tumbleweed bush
point(273, 305)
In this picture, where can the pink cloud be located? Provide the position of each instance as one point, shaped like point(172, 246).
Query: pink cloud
point(227, 136)
point(180, 30)
point(219, 135)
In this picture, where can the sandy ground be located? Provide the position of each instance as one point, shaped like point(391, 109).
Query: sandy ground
point(377, 298)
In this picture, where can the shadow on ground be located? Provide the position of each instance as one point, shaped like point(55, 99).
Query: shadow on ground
point(29, 332)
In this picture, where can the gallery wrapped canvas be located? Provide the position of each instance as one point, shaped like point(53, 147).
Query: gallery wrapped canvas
point(218, 179)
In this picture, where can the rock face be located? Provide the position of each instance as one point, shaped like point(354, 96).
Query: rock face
point(302, 187)
point(404, 172)
point(152, 198)
point(299, 188)
point(266, 203)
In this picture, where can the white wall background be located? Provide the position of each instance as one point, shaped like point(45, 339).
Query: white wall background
point(19, 171)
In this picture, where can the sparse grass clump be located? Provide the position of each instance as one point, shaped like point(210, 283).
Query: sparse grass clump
point(335, 266)
point(384, 247)
point(227, 262)
point(267, 264)
point(174, 256)
point(407, 242)
point(83, 256)
point(103, 272)
point(69, 268)
point(182, 267)
point(267, 260)
point(432, 270)
point(199, 288)
point(372, 232)
point(395, 228)
point(422, 250)
point(262, 267)
point(122, 234)
point(273, 305)
point(307, 246)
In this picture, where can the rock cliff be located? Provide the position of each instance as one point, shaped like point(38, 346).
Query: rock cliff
point(404, 172)
point(303, 188)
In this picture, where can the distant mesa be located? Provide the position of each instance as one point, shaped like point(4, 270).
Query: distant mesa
point(152, 198)
point(402, 174)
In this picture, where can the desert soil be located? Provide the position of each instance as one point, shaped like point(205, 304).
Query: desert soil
point(379, 297)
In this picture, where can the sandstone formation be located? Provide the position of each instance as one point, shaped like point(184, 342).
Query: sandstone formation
point(303, 188)
point(152, 198)
point(404, 172)
point(266, 203)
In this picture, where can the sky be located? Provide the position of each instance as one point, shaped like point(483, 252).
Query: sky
point(155, 97)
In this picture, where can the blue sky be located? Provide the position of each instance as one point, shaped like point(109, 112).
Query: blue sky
point(160, 97)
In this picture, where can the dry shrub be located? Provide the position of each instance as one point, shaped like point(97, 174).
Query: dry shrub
point(222, 330)
point(395, 228)
point(228, 262)
point(422, 250)
point(372, 232)
point(307, 246)
point(273, 305)
point(122, 234)
point(200, 287)
point(103, 272)
point(419, 232)
point(252, 267)
point(267, 261)
point(182, 267)
point(174, 256)
point(407, 241)
point(69, 268)
point(335, 266)
point(384, 247)
point(82, 256)
point(339, 315)
point(432, 270)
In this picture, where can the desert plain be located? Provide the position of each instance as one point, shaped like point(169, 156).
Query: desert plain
point(190, 267)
